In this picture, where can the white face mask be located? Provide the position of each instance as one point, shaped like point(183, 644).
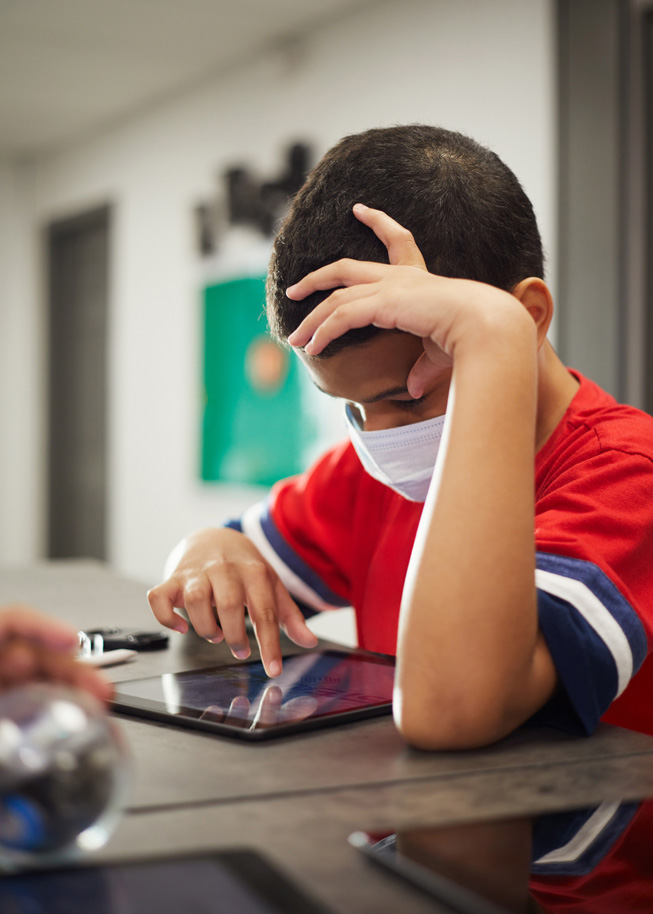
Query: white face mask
point(402, 458)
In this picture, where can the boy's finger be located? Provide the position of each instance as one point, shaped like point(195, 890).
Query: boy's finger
point(341, 301)
point(398, 240)
point(292, 619)
point(162, 603)
point(261, 603)
point(230, 601)
point(348, 316)
point(341, 273)
point(423, 372)
point(199, 604)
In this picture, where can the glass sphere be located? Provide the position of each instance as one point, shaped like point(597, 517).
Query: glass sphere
point(63, 773)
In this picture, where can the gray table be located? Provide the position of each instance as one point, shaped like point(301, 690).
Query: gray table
point(298, 798)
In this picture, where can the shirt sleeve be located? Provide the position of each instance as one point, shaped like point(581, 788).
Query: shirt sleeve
point(304, 530)
point(595, 862)
point(574, 843)
point(594, 539)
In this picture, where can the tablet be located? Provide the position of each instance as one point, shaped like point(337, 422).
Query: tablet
point(218, 883)
point(315, 689)
point(593, 860)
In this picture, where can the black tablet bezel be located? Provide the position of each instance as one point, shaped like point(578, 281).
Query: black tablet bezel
point(456, 896)
point(189, 717)
point(252, 869)
point(463, 896)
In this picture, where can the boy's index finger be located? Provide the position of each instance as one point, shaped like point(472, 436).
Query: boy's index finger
point(340, 274)
point(334, 276)
point(399, 241)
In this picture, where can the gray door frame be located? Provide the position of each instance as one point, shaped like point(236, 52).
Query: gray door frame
point(595, 298)
point(78, 302)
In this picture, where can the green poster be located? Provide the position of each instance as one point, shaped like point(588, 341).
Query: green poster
point(254, 430)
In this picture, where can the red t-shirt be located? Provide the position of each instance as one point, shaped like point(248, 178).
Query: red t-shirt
point(337, 537)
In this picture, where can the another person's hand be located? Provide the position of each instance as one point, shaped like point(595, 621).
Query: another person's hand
point(219, 573)
point(38, 648)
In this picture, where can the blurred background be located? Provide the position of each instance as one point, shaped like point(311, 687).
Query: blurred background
point(147, 148)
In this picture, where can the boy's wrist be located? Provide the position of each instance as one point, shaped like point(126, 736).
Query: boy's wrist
point(500, 326)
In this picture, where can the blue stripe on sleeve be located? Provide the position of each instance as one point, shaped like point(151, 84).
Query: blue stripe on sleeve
point(586, 660)
point(555, 830)
point(584, 664)
point(306, 610)
point(609, 595)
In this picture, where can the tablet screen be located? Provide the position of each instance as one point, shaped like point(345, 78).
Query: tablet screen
point(315, 687)
point(223, 883)
point(593, 860)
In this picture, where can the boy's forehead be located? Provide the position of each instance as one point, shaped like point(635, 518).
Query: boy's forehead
point(372, 370)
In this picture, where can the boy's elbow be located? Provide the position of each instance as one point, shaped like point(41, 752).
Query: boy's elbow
point(447, 725)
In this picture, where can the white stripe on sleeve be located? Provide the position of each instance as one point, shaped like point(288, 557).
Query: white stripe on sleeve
point(584, 837)
point(596, 615)
point(251, 524)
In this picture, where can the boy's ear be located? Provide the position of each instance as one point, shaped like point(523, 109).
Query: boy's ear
point(535, 296)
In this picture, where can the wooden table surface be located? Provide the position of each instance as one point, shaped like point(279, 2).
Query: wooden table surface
point(297, 798)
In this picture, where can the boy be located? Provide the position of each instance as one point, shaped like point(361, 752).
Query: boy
point(408, 276)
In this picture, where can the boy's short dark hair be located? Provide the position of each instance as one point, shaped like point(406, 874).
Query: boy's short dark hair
point(465, 208)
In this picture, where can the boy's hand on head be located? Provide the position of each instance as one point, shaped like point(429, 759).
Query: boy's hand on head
point(37, 648)
point(221, 572)
point(400, 295)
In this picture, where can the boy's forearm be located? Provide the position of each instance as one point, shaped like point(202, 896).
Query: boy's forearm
point(471, 664)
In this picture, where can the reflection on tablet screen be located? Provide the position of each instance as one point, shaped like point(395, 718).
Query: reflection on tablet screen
point(312, 684)
point(591, 861)
point(204, 885)
point(191, 886)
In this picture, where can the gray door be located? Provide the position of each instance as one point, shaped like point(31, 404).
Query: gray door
point(78, 293)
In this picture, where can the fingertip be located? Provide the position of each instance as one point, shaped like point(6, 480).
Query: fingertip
point(177, 624)
point(274, 668)
point(310, 638)
point(304, 638)
point(296, 338)
point(415, 388)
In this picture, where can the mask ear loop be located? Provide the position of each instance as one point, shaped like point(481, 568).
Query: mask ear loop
point(353, 414)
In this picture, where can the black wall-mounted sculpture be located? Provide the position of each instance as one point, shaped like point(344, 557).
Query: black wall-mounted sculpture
point(251, 201)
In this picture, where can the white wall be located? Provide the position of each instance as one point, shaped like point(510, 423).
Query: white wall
point(21, 376)
point(486, 68)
